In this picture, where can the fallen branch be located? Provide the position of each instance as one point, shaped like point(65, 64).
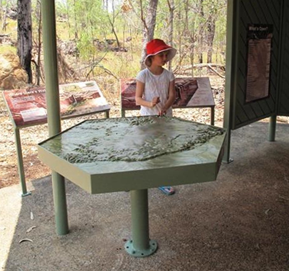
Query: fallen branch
point(215, 71)
point(184, 69)
point(101, 67)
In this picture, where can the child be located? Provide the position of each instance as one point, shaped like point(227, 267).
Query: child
point(155, 86)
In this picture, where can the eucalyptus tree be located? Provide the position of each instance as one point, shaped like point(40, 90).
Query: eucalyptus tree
point(211, 27)
point(220, 34)
point(200, 37)
point(216, 25)
point(185, 32)
point(149, 22)
point(164, 25)
point(146, 11)
point(171, 6)
point(112, 16)
point(88, 22)
point(24, 36)
point(37, 39)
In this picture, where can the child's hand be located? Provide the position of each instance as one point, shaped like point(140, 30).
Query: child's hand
point(162, 112)
point(155, 101)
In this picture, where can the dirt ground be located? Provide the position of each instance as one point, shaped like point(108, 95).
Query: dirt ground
point(237, 223)
point(31, 136)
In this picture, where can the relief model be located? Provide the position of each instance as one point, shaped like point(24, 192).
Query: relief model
point(130, 139)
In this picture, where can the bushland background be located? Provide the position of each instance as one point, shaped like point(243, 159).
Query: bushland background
point(104, 41)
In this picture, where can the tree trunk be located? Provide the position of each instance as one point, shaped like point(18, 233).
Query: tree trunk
point(201, 32)
point(4, 19)
point(149, 26)
point(24, 36)
point(68, 19)
point(211, 35)
point(1, 9)
point(180, 36)
point(112, 24)
point(171, 5)
point(189, 32)
point(105, 4)
point(75, 22)
point(38, 75)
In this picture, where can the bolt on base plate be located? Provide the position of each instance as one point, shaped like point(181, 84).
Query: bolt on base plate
point(141, 253)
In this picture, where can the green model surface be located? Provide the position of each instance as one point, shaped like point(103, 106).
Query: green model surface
point(137, 145)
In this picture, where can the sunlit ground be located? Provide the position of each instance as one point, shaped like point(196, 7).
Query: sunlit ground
point(10, 202)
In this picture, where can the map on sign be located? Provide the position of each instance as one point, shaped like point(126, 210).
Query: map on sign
point(28, 106)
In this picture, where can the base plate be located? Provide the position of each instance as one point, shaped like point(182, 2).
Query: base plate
point(25, 194)
point(141, 253)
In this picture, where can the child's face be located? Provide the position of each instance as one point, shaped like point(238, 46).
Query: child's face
point(160, 59)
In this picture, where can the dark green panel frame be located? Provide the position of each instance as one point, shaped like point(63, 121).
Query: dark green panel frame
point(283, 103)
point(258, 12)
point(238, 113)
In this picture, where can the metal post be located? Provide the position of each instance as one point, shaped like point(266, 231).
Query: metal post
point(213, 115)
point(272, 128)
point(140, 245)
point(20, 162)
point(53, 106)
point(60, 208)
point(231, 72)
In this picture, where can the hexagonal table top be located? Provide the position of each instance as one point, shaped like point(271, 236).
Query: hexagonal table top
point(135, 153)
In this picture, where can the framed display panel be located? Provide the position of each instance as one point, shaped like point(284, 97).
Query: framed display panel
point(251, 99)
point(283, 102)
point(259, 44)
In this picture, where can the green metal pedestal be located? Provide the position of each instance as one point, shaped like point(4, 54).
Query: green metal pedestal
point(60, 207)
point(272, 128)
point(213, 115)
point(140, 245)
point(20, 163)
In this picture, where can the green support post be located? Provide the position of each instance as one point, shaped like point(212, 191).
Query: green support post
point(53, 107)
point(213, 115)
point(231, 72)
point(272, 128)
point(140, 245)
point(20, 162)
point(60, 207)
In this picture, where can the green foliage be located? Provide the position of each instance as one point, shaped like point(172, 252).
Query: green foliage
point(89, 24)
point(9, 3)
point(7, 48)
point(85, 46)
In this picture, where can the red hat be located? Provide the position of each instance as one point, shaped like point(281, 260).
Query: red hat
point(156, 46)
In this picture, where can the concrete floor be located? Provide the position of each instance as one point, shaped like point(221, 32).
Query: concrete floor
point(238, 222)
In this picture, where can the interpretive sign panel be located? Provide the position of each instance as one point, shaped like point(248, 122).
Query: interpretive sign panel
point(258, 61)
point(185, 90)
point(28, 106)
